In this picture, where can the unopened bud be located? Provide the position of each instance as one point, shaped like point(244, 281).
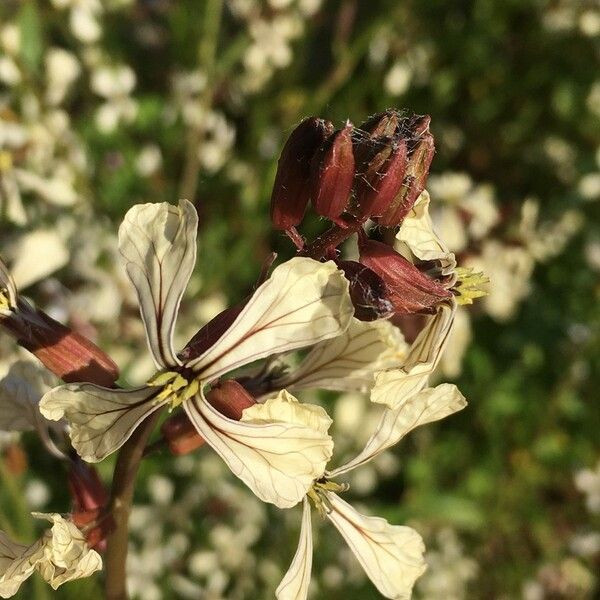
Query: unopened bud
point(368, 292)
point(421, 149)
point(291, 190)
point(90, 498)
point(181, 436)
point(332, 174)
point(230, 399)
point(377, 127)
point(380, 177)
point(409, 290)
point(210, 333)
point(87, 490)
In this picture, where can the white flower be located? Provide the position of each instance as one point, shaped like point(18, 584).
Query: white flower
point(391, 555)
point(62, 69)
point(588, 482)
point(302, 303)
point(61, 555)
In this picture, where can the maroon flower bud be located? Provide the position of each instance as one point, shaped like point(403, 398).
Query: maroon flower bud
point(210, 333)
point(332, 174)
point(380, 178)
point(409, 290)
point(181, 436)
point(228, 397)
point(90, 498)
point(421, 149)
point(291, 190)
point(368, 292)
point(66, 353)
point(87, 490)
point(377, 127)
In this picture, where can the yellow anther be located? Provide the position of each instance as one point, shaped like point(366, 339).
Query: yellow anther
point(4, 300)
point(470, 285)
point(163, 378)
point(318, 494)
point(6, 161)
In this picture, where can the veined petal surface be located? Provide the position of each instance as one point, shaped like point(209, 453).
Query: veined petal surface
point(294, 585)
point(158, 246)
point(349, 362)
point(427, 406)
point(303, 302)
point(394, 386)
point(391, 555)
point(277, 449)
point(101, 419)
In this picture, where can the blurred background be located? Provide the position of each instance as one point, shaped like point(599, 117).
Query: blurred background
point(108, 103)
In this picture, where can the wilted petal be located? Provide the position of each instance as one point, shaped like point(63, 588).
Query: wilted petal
point(391, 555)
point(278, 448)
point(417, 233)
point(302, 303)
point(427, 406)
point(394, 386)
point(66, 553)
point(17, 563)
point(349, 362)
point(158, 245)
point(101, 419)
point(294, 585)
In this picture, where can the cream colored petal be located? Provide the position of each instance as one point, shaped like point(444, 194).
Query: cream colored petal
point(158, 245)
point(17, 563)
point(391, 555)
point(294, 585)
point(285, 408)
point(275, 452)
point(101, 419)
point(417, 233)
point(66, 553)
point(427, 406)
point(302, 303)
point(394, 386)
point(349, 362)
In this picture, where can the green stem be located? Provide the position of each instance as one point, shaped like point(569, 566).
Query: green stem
point(123, 486)
point(207, 50)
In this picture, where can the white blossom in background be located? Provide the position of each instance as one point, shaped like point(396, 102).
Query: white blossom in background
point(588, 482)
point(449, 571)
point(62, 70)
point(84, 18)
point(114, 83)
point(398, 79)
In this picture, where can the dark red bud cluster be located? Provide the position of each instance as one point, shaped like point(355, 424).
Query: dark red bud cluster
point(393, 155)
point(375, 171)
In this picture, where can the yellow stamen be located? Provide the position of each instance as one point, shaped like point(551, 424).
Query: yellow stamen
point(470, 285)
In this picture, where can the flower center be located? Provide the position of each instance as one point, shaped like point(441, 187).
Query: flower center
point(318, 494)
point(4, 300)
point(176, 388)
